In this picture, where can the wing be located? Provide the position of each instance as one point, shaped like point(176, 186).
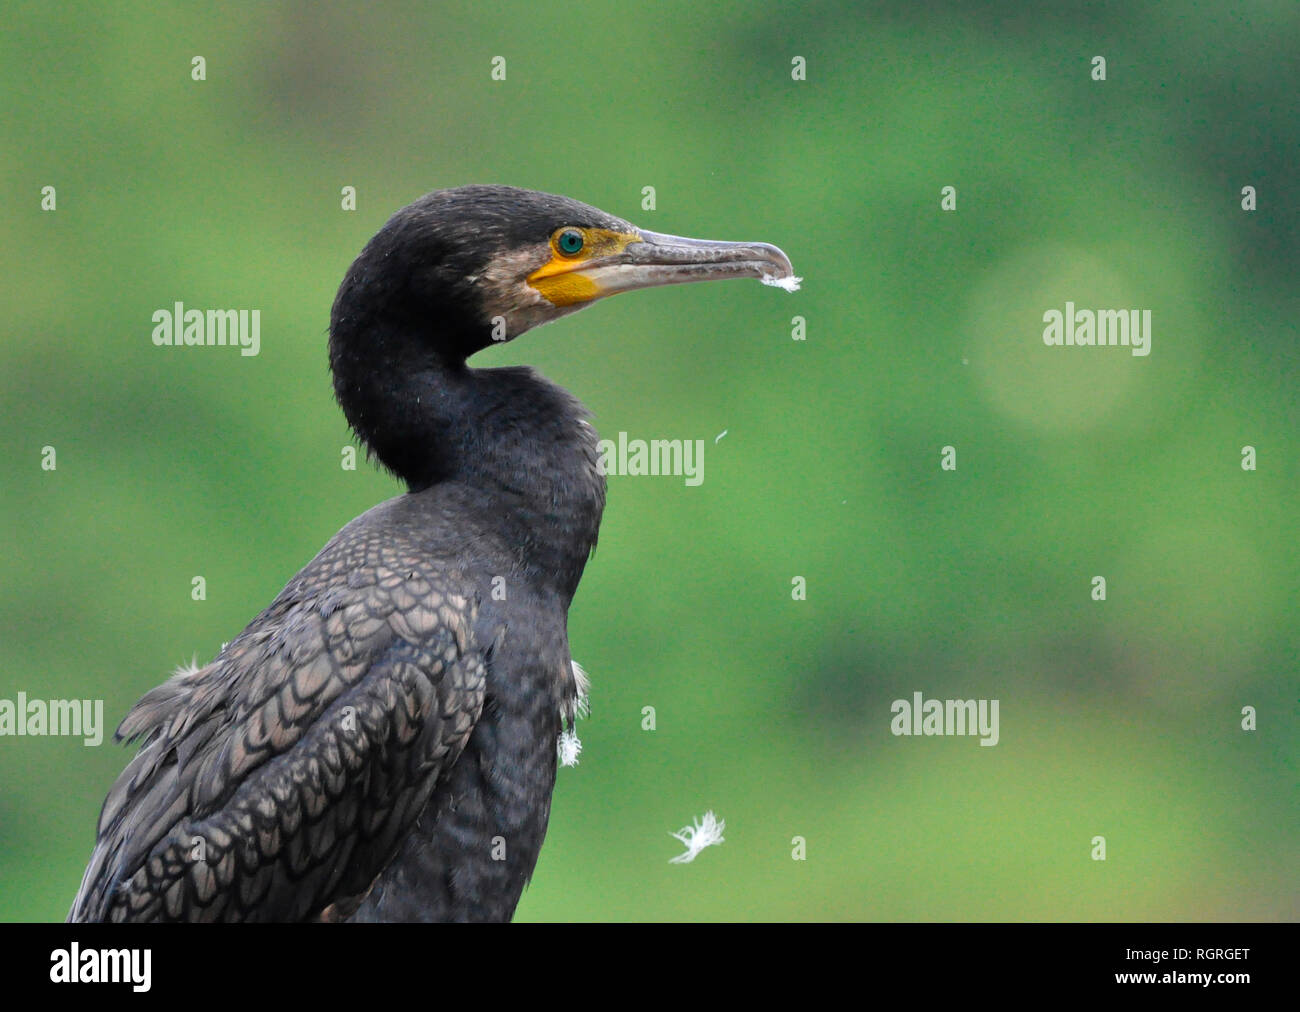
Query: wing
point(277, 782)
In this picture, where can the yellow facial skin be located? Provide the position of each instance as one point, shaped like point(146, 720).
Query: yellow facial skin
point(560, 280)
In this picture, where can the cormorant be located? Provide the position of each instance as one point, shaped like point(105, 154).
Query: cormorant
point(380, 743)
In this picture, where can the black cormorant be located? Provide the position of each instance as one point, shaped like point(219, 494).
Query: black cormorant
point(380, 743)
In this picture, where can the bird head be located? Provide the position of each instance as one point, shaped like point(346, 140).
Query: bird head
point(477, 265)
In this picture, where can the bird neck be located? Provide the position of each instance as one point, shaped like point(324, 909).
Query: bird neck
point(520, 445)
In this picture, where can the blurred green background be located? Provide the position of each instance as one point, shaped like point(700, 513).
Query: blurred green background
point(1118, 718)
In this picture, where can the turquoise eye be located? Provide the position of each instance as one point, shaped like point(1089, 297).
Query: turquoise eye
point(570, 241)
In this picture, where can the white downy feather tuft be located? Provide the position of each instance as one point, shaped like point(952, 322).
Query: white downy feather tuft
point(706, 832)
point(790, 284)
point(568, 746)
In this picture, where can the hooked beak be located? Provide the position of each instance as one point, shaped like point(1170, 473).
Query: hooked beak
point(626, 261)
point(659, 259)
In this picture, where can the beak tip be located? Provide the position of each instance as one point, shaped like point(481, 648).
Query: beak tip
point(777, 270)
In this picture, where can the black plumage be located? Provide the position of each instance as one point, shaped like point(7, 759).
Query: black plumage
point(380, 743)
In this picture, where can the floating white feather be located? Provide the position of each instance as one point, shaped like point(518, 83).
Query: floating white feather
point(706, 832)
